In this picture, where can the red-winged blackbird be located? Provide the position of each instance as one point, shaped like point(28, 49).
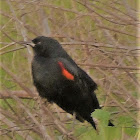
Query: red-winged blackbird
point(58, 78)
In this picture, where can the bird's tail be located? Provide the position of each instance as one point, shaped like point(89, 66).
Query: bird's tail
point(91, 121)
point(110, 123)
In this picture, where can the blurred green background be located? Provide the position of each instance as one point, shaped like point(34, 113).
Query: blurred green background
point(101, 36)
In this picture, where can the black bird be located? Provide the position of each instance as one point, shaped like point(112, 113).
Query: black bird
point(58, 78)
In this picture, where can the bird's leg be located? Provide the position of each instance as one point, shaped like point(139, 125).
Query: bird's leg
point(74, 120)
point(96, 124)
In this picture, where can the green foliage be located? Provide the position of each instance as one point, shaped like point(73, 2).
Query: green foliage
point(102, 115)
point(127, 123)
point(105, 132)
point(125, 120)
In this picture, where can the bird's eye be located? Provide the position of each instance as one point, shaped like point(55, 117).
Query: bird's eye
point(38, 43)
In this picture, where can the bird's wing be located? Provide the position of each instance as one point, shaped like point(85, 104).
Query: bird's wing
point(83, 80)
point(73, 71)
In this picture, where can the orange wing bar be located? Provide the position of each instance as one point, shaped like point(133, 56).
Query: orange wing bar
point(67, 74)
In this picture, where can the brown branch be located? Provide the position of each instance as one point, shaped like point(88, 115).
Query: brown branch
point(110, 67)
point(12, 50)
point(41, 127)
point(8, 45)
point(119, 31)
point(14, 127)
point(58, 123)
point(20, 93)
point(78, 43)
point(16, 79)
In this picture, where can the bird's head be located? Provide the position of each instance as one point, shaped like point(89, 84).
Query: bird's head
point(45, 46)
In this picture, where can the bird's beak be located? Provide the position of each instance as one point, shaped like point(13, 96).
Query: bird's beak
point(29, 43)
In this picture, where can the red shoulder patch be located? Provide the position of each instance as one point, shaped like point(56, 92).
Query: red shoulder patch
point(67, 74)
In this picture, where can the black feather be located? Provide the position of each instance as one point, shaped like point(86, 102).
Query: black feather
point(73, 95)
